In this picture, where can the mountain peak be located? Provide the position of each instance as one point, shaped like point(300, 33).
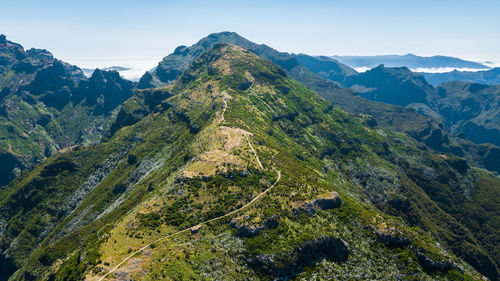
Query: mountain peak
point(224, 34)
point(229, 60)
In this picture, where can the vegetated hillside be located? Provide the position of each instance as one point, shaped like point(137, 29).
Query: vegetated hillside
point(326, 67)
point(47, 105)
point(467, 109)
point(256, 177)
point(408, 60)
point(471, 109)
point(425, 129)
point(486, 77)
point(394, 85)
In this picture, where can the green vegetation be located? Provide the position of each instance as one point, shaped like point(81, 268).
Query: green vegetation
point(145, 183)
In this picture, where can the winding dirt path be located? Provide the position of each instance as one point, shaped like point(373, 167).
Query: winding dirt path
point(193, 227)
point(223, 109)
point(255, 153)
point(205, 222)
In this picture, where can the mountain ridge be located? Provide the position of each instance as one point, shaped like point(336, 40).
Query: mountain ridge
point(408, 60)
point(48, 105)
point(183, 163)
point(487, 77)
point(423, 128)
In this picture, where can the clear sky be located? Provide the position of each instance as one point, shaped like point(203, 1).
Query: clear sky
point(150, 29)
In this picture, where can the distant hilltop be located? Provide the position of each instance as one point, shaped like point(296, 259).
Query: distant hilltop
point(411, 61)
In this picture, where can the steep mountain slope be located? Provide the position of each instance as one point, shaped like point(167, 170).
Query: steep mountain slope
point(408, 60)
point(394, 85)
point(470, 109)
point(239, 172)
point(326, 67)
point(487, 77)
point(48, 105)
point(425, 129)
point(463, 108)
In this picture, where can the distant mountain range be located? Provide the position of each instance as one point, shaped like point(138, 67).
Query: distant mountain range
point(464, 108)
point(232, 160)
point(488, 77)
point(411, 61)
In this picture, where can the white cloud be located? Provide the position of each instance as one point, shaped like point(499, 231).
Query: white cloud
point(137, 66)
point(444, 69)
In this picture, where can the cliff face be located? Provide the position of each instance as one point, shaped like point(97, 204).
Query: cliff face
point(48, 105)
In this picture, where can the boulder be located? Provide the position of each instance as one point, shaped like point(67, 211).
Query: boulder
point(393, 239)
point(246, 230)
point(433, 265)
point(249, 230)
point(289, 265)
point(330, 202)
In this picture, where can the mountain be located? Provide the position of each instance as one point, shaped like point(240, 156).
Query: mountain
point(326, 67)
point(394, 85)
point(236, 171)
point(423, 128)
point(88, 71)
point(470, 109)
point(48, 105)
point(400, 86)
point(465, 109)
point(487, 77)
point(409, 60)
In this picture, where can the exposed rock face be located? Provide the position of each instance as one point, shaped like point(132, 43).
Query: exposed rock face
point(148, 81)
point(329, 202)
point(432, 265)
point(325, 247)
point(105, 89)
point(306, 207)
point(459, 164)
point(60, 107)
point(393, 239)
point(8, 163)
point(272, 222)
point(387, 84)
point(249, 230)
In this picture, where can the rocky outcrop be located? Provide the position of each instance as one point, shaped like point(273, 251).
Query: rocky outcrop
point(8, 165)
point(283, 268)
point(326, 202)
point(435, 265)
point(329, 202)
point(394, 85)
point(105, 90)
point(393, 239)
point(148, 81)
point(249, 230)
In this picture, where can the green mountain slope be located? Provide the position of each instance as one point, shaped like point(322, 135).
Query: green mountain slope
point(236, 171)
point(424, 128)
point(470, 109)
point(48, 105)
point(394, 85)
point(465, 109)
point(326, 67)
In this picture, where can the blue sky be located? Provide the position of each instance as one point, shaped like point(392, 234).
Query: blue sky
point(148, 29)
